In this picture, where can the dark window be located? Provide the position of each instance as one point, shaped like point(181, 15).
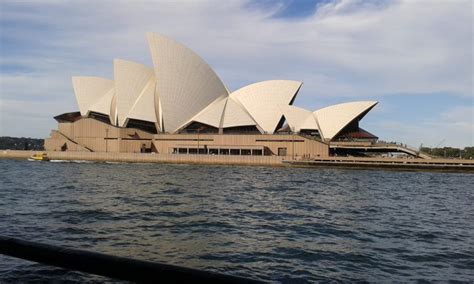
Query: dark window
point(224, 152)
point(68, 117)
point(197, 127)
point(280, 125)
point(234, 151)
point(100, 117)
point(251, 129)
point(142, 125)
point(310, 132)
point(246, 152)
point(281, 151)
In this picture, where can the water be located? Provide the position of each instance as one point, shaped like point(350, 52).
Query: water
point(274, 224)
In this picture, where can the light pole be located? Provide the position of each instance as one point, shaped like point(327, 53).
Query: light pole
point(293, 143)
point(106, 138)
point(198, 130)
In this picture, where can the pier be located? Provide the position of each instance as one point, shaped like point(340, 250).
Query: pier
point(455, 165)
point(434, 164)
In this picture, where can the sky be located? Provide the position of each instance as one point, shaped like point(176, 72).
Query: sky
point(414, 57)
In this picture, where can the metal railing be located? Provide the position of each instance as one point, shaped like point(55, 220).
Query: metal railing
point(111, 266)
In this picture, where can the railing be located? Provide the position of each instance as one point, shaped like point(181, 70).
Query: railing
point(399, 147)
point(111, 266)
point(407, 148)
point(311, 137)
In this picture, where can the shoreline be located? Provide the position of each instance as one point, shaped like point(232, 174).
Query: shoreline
point(434, 165)
point(149, 158)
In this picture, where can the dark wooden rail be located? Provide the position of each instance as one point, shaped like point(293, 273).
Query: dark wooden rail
point(111, 266)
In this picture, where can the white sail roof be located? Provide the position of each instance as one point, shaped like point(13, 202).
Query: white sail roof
point(106, 105)
point(224, 112)
point(310, 123)
point(263, 101)
point(333, 119)
point(144, 106)
point(135, 90)
point(299, 118)
point(185, 83)
point(212, 114)
point(90, 90)
point(235, 115)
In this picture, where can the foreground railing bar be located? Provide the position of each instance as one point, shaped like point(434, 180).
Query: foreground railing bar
point(111, 266)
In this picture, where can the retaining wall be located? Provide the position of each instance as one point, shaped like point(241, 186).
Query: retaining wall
point(149, 158)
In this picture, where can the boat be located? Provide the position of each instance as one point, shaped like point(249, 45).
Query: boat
point(39, 157)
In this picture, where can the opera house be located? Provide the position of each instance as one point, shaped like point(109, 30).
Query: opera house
point(182, 107)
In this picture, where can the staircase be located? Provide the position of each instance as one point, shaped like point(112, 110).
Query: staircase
point(381, 147)
point(412, 151)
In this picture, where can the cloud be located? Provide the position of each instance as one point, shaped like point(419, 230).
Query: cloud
point(345, 50)
point(453, 127)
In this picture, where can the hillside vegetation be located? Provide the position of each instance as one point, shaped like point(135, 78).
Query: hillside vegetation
point(450, 152)
point(22, 143)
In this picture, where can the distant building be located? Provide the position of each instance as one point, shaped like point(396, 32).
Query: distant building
point(182, 107)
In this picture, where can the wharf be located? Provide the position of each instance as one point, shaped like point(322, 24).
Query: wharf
point(149, 158)
point(454, 165)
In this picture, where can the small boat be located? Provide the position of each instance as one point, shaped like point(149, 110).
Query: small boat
point(39, 157)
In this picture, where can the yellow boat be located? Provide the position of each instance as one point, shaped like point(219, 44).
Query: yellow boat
point(39, 157)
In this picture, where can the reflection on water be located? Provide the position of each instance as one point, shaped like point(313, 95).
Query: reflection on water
point(278, 224)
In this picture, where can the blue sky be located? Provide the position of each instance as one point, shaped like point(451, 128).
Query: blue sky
point(414, 57)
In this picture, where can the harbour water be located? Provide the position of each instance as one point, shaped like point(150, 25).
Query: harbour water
point(274, 224)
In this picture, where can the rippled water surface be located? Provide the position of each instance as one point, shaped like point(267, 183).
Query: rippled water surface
point(274, 224)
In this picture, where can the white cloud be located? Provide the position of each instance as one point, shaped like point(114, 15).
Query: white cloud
point(454, 127)
point(347, 49)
